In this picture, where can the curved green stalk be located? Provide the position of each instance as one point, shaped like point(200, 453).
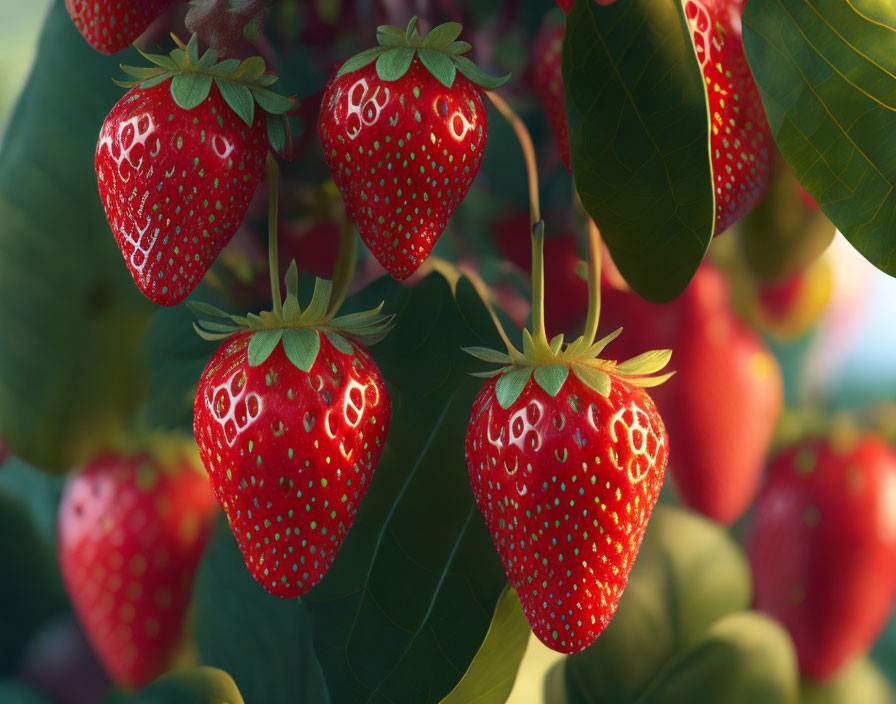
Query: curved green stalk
point(344, 269)
point(272, 178)
point(594, 261)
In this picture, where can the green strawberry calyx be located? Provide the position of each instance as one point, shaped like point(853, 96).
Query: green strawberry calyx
point(243, 85)
point(551, 365)
point(439, 51)
point(298, 329)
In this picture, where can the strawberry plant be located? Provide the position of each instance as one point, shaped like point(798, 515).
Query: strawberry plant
point(447, 351)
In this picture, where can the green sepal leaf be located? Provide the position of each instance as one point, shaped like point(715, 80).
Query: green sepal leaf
point(340, 343)
point(355, 319)
point(266, 80)
point(239, 98)
point(203, 308)
point(208, 59)
point(358, 61)
point(262, 345)
point(528, 344)
point(292, 280)
point(320, 300)
point(180, 58)
point(271, 102)
point(646, 363)
point(166, 62)
point(440, 37)
point(212, 326)
point(211, 336)
point(251, 69)
point(556, 343)
point(477, 75)
point(228, 66)
point(394, 63)
point(648, 382)
point(490, 374)
point(152, 82)
point(190, 89)
point(389, 36)
point(143, 72)
point(458, 48)
point(411, 30)
point(279, 138)
point(595, 379)
point(193, 49)
point(439, 64)
point(301, 347)
point(551, 378)
point(511, 385)
point(488, 355)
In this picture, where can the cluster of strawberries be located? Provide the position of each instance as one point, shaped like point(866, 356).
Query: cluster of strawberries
point(566, 452)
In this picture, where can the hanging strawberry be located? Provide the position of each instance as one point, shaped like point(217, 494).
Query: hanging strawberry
point(823, 547)
point(566, 454)
point(547, 81)
point(132, 527)
point(178, 160)
point(112, 25)
point(404, 129)
point(291, 416)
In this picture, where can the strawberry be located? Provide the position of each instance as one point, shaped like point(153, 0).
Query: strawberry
point(178, 160)
point(290, 419)
point(112, 25)
point(404, 129)
point(566, 456)
point(722, 405)
point(132, 527)
point(822, 547)
point(547, 81)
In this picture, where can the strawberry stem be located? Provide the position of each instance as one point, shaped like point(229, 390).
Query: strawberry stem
point(272, 178)
point(540, 337)
point(344, 269)
point(594, 261)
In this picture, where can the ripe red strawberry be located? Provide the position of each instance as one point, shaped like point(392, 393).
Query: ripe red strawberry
point(112, 25)
point(547, 81)
point(822, 547)
point(566, 457)
point(132, 528)
point(178, 160)
point(404, 129)
point(290, 423)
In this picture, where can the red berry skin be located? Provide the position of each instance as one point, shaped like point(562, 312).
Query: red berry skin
point(130, 535)
point(403, 154)
point(290, 454)
point(822, 547)
point(112, 25)
point(176, 184)
point(566, 486)
point(547, 81)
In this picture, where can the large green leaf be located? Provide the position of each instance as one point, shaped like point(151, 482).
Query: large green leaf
point(825, 70)
point(197, 685)
point(410, 597)
point(493, 671)
point(681, 633)
point(639, 135)
point(72, 320)
point(262, 641)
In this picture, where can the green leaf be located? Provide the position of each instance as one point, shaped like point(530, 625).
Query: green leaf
point(262, 344)
point(301, 347)
point(272, 102)
point(487, 355)
point(439, 65)
point(71, 373)
point(387, 36)
point(196, 685)
point(511, 385)
point(477, 75)
point(646, 363)
point(234, 625)
point(639, 137)
point(595, 379)
point(551, 378)
point(825, 74)
point(365, 58)
point(441, 36)
point(689, 575)
point(409, 600)
point(340, 343)
point(193, 49)
point(394, 63)
point(190, 89)
point(458, 48)
point(320, 299)
point(278, 133)
point(860, 681)
point(239, 98)
point(227, 66)
point(152, 82)
point(251, 69)
point(490, 676)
